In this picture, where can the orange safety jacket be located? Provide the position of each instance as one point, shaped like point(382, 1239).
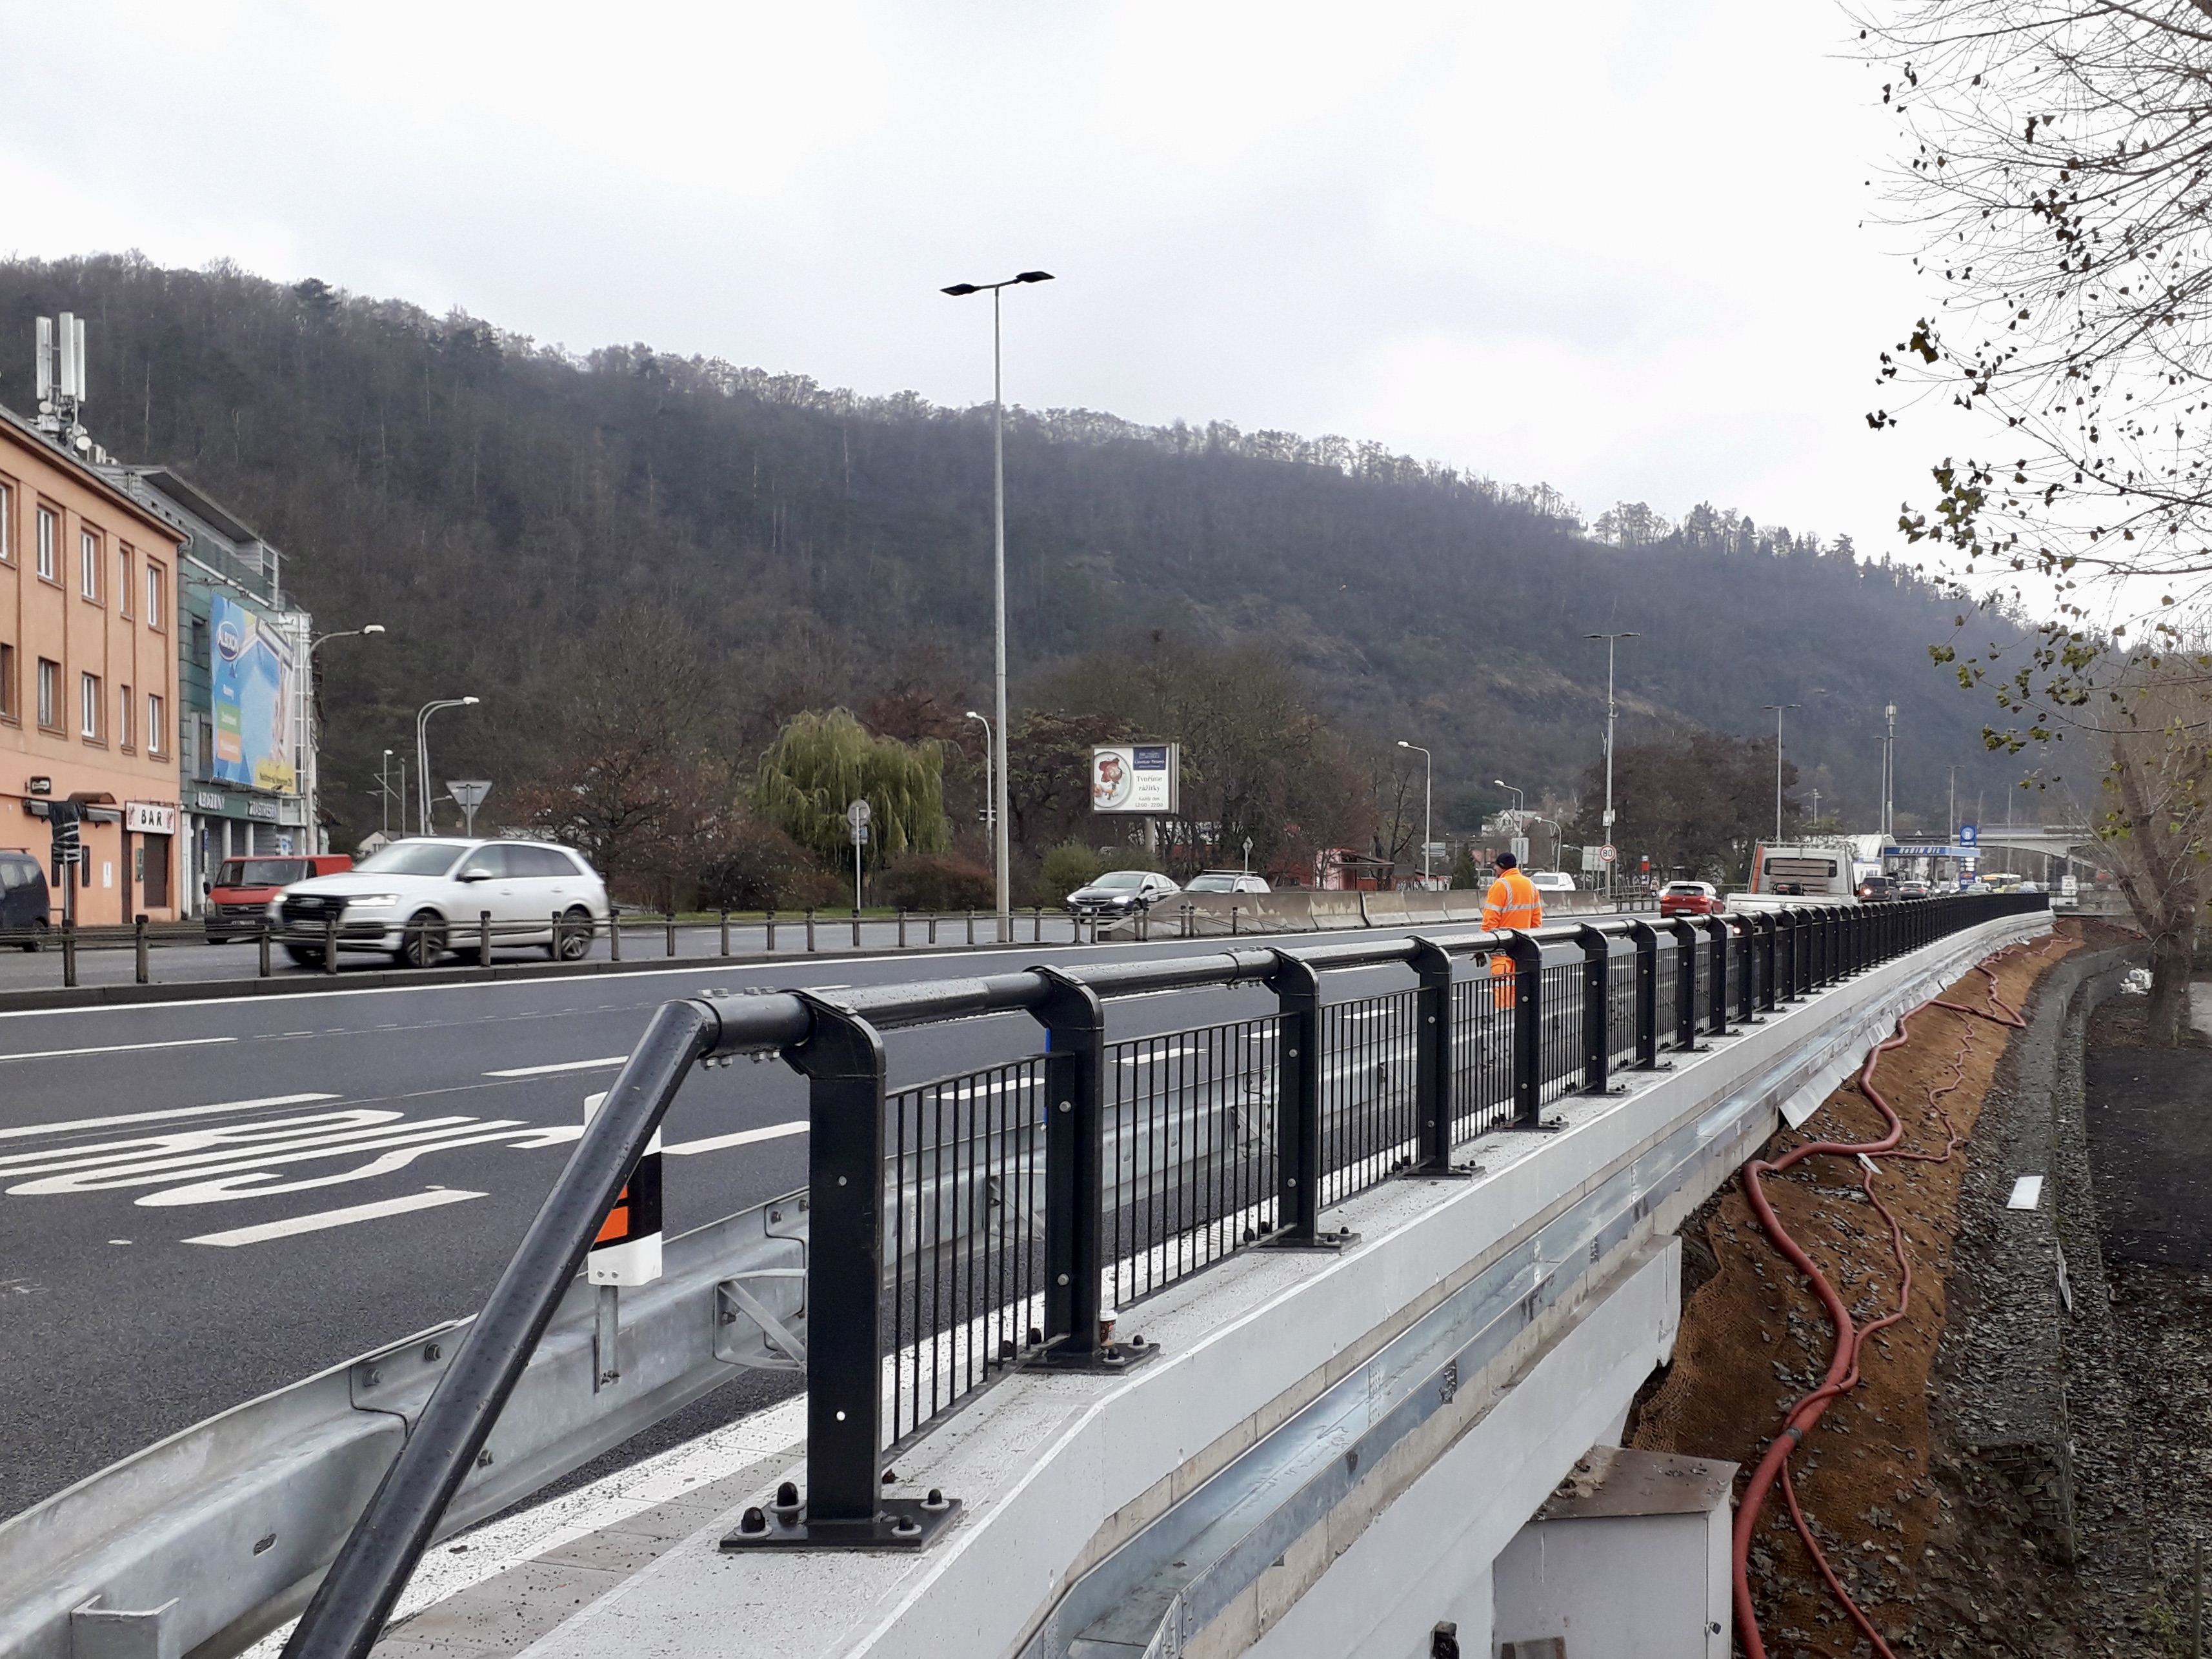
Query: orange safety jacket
point(1512, 903)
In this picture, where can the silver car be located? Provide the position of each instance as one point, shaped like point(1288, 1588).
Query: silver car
point(418, 899)
point(1121, 892)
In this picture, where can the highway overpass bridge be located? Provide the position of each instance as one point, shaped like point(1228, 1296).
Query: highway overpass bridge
point(1307, 1331)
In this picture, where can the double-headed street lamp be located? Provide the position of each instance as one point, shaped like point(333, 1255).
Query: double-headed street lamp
point(1428, 801)
point(999, 592)
point(1775, 710)
point(422, 747)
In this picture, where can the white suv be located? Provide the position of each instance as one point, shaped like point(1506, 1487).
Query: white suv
point(422, 898)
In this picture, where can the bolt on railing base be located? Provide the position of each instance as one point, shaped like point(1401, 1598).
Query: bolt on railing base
point(1104, 1360)
point(899, 1523)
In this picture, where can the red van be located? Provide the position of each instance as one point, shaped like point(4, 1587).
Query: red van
point(239, 897)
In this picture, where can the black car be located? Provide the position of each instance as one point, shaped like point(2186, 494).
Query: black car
point(24, 902)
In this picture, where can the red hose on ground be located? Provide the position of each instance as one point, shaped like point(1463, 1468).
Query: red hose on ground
point(1843, 1373)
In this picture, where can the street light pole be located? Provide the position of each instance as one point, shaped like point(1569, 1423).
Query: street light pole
point(990, 798)
point(1001, 852)
point(1611, 641)
point(313, 758)
point(1889, 776)
point(1776, 708)
point(422, 748)
point(1428, 802)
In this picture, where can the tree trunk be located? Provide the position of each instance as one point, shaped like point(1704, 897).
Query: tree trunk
point(2173, 955)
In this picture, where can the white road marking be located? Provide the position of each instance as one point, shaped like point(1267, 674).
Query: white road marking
point(2026, 1193)
point(325, 1218)
point(1159, 1054)
point(564, 1065)
point(119, 1048)
point(158, 1117)
point(742, 1137)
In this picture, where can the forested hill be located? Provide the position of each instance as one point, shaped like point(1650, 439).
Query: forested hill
point(516, 517)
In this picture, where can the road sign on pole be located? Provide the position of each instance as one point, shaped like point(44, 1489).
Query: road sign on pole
point(856, 820)
point(468, 794)
point(1605, 853)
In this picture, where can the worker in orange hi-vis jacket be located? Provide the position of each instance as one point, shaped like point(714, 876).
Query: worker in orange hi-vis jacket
point(1512, 903)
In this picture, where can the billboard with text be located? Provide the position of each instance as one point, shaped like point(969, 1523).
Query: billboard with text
point(1141, 777)
point(250, 681)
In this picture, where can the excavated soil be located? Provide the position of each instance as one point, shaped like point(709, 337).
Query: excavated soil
point(1881, 1491)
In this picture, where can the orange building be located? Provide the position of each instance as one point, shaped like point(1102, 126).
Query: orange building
point(88, 676)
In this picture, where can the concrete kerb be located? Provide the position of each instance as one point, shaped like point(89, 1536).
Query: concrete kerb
point(1059, 1472)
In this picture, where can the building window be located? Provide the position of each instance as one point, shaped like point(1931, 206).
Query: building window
point(8, 709)
point(49, 535)
point(123, 717)
point(88, 565)
point(88, 705)
point(156, 618)
point(157, 736)
point(50, 694)
point(122, 579)
point(7, 523)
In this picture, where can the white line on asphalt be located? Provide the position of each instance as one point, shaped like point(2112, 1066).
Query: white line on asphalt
point(119, 1048)
point(1140, 1059)
point(158, 1117)
point(742, 1137)
point(565, 1065)
point(345, 1217)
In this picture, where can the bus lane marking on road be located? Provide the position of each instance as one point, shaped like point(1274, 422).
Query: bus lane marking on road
point(321, 1220)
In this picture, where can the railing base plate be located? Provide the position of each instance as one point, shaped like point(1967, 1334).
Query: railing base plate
point(1331, 1242)
point(1427, 1172)
point(900, 1523)
point(1113, 1358)
point(1550, 1125)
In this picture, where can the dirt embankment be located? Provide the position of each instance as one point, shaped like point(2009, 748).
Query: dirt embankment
point(1943, 1556)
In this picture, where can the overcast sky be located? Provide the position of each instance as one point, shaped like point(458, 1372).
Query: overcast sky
point(1617, 247)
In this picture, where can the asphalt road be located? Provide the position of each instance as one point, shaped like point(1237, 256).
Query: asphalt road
point(150, 1156)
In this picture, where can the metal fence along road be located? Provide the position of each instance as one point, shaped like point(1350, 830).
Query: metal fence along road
point(1016, 1216)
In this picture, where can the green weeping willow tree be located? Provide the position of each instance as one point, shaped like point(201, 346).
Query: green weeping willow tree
point(820, 763)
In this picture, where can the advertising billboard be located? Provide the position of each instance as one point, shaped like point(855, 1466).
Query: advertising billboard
point(1142, 777)
point(252, 688)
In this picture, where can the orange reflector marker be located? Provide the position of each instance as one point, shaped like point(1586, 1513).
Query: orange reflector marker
point(627, 1250)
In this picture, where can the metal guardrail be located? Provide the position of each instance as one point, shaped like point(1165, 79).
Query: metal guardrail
point(984, 1221)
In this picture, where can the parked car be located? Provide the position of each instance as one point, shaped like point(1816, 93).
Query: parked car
point(1550, 881)
point(1121, 892)
point(1691, 898)
point(418, 899)
point(1874, 889)
point(1226, 881)
point(25, 906)
point(242, 890)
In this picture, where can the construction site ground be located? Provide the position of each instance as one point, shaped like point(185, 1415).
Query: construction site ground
point(2024, 1462)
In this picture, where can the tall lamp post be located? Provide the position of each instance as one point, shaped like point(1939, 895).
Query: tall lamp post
point(422, 748)
point(314, 747)
point(990, 772)
point(1611, 642)
point(1520, 803)
point(1428, 801)
point(1775, 710)
point(1889, 776)
point(999, 591)
point(384, 795)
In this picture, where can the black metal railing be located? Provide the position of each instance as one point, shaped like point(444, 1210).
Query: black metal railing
point(1003, 1217)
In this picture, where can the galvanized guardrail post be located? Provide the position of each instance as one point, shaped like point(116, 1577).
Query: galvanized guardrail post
point(1528, 982)
point(726, 930)
point(1647, 994)
point(770, 919)
point(484, 939)
point(614, 933)
point(1597, 1004)
point(1297, 1099)
point(1432, 1058)
point(1075, 1174)
point(138, 939)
